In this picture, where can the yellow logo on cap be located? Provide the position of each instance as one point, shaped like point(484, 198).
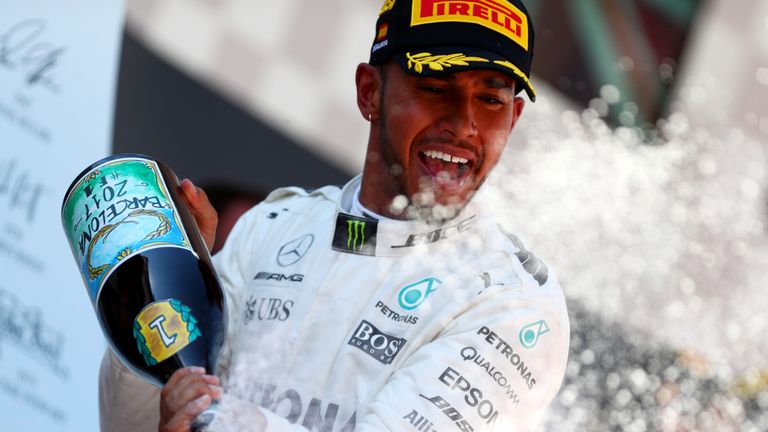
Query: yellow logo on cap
point(439, 62)
point(497, 15)
point(417, 63)
point(388, 5)
point(162, 329)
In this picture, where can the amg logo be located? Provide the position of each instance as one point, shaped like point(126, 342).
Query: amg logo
point(438, 234)
point(375, 343)
point(497, 15)
point(279, 277)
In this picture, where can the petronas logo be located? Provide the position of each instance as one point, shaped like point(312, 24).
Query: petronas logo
point(530, 334)
point(355, 235)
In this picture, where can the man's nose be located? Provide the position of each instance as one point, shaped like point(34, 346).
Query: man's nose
point(459, 119)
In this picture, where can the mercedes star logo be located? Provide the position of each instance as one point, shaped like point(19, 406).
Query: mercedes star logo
point(294, 250)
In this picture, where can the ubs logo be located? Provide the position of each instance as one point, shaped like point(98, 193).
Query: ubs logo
point(294, 250)
point(267, 309)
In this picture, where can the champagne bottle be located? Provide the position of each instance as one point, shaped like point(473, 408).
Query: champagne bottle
point(145, 266)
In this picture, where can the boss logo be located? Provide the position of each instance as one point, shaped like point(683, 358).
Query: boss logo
point(375, 343)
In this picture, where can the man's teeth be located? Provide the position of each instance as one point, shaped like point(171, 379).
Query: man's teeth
point(445, 156)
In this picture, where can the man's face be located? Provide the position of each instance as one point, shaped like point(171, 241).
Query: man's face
point(440, 136)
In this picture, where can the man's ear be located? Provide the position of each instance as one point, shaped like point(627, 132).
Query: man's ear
point(369, 86)
point(517, 109)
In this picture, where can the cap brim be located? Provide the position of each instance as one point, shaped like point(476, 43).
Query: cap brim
point(441, 60)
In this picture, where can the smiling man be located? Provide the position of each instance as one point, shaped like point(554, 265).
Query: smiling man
point(395, 303)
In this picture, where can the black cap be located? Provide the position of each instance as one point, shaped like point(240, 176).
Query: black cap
point(431, 37)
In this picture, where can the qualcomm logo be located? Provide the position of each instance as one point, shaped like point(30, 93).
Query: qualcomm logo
point(529, 335)
point(294, 250)
point(413, 295)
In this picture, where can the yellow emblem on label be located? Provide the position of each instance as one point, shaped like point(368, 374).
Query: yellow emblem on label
point(162, 329)
point(388, 5)
point(497, 15)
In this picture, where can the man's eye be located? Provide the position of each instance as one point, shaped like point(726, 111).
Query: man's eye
point(432, 89)
point(492, 100)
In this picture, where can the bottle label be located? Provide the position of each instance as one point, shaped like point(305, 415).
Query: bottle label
point(162, 329)
point(115, 211)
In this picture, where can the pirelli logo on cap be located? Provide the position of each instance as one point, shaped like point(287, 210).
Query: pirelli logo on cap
point(497, 15)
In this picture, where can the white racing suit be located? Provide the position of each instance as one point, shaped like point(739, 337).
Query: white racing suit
point(341, 323)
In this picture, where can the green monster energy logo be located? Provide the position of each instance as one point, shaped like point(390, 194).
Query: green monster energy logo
point(355, 235)
point(355, 232)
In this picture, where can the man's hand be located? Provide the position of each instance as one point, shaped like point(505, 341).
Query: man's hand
point(186, 394)
point(202, 210)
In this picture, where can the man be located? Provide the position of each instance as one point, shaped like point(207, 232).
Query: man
point(395, 303)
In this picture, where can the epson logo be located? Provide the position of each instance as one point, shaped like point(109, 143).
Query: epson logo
point(473, 396)
point(375, 343)
point(279, 277)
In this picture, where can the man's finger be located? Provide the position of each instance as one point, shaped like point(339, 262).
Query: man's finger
point(181, 373)
point(191, 389)
point(202, 210)
point(177, 392)
point(182, 420)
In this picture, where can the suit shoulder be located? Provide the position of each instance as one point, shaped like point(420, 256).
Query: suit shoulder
point(329, 193)
point(532, 264)
point(293, 201)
